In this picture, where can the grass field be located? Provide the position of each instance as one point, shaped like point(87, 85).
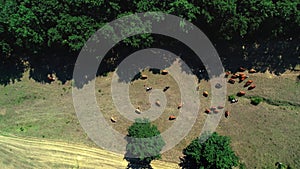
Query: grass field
point(261, 135)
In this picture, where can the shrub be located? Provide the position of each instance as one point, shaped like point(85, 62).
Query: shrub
point(231, 97)
point(256, 100)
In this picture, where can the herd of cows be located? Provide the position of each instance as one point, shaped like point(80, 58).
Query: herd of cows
point(240, 77)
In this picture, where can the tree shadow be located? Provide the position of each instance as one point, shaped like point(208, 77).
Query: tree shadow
point(187, 163)
point(11, 70)
point(134, 163)
point(274, 55)
point(58, 62)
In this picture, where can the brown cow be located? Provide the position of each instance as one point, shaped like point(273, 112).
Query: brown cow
point(241, 93)
point(242, 79)
point(241, 69)
point(227, 114)
point(234, 76)
point(220, 107)
point(248, 83)
point(205, 93)
point(172, 117)
point(216, 111)
point(207, 111)
point(232, 81)
point(252, 87)
point(227, 73)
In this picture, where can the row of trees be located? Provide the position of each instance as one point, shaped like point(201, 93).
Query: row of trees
point(36, 25)
point(214, 153)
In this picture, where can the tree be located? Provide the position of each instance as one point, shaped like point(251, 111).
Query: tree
point(214, 153)
point(144, 142)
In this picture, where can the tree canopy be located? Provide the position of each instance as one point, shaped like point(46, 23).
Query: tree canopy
point(144, 143)
point(33, 25)
point(214, 153)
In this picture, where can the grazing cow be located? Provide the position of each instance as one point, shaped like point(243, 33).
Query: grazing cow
point(207, 111)
point(227, 73)
point(216, 111)
point(241, 93)
point(213, 108)
point(234, 100)
point(227, 114)
point(205, 93)
point(248, 83)
point(172, 117)
point(252, 71)
point(166, 88)
point(242, 74)
point(252, 87)
point(234, 76)
point(179, 105)
point(148, 89)
point(157, 103)
point(220, 107)
point(242, 78)
point(144, 77)
point(242, 69)
point(112, 119)
point(137, 110)
point(51, 77)
point(232, 81)
point(164, 72)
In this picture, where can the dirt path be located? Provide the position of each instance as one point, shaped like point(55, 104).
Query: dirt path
point(16, 152)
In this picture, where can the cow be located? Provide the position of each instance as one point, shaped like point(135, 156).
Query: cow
point(157, 103)
point(251, 87)
point(220, 107)
point(112, 119)
point(172, 117)
point(166, 88)
point(234, 76)
point(144, 77)
point(164, 72)
point(179, 105)
point(227, 114)
point(137, 110)
point(227, 73)
point(216, 111)
point(232, 81)
point(207, 111)
point(148, 88)
point(241, 93)
point(248, 83)
point(252, 71)
point(205, 93)
point(51, 77)
point(242, 69)
point(213, 108)
point(242, 79)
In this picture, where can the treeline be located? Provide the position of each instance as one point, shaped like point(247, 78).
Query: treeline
point(38, 25)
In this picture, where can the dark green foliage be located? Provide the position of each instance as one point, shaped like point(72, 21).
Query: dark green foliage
point(256, 100)
point(144, 142)
point(231, 97)
point(38, 24)
point(214, 153)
